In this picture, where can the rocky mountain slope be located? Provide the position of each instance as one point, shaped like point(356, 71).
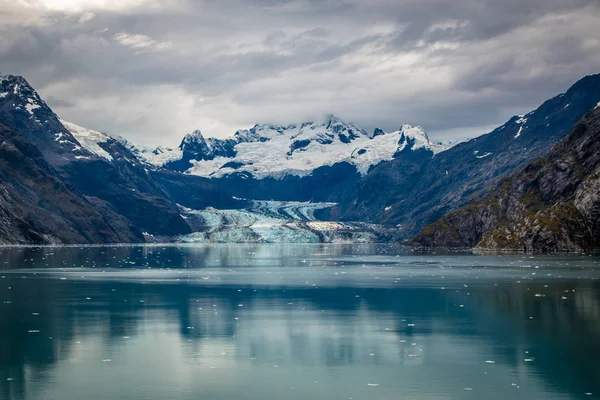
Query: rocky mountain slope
point(552, 204)
point(38, 206)
point(98, 166)
point(456, 177)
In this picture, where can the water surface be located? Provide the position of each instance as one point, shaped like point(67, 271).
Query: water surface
point(296, 322)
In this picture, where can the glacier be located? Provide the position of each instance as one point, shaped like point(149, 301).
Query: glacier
point(276, 222)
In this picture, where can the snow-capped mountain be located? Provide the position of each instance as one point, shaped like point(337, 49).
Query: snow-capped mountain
point(298, 149)
point(96, 166)
point(22, 107)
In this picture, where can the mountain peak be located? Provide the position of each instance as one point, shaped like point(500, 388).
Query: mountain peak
point(193, 140)
point(416, 133)
point(14, 79)
point(377, 132)
point(24, 96)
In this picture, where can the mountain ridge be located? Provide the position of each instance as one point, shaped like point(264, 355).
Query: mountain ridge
point(455, 177)
point(267, 150)
point(38, 206)
point(121, 185)
point(553, 204)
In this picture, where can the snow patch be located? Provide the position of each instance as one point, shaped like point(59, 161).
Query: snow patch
point(519, 133)
point(272, 156)
point(158, 156)
point(3, 94)
point(30, 107)
point(522, 120)
point(89, 139)
point(485, 155)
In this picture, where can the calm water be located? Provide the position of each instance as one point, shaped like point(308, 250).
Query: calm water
point(295, 322)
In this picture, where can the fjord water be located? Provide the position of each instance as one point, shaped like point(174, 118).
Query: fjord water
point(296, 322)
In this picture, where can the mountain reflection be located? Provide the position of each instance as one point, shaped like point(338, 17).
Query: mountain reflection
point(57, 311)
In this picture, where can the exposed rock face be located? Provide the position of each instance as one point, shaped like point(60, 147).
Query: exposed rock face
point(38, 207)
point(553, 204)
point(108, 174)
point(463, 173)
point(128, 187)
point(373, 197)
point(194, 147)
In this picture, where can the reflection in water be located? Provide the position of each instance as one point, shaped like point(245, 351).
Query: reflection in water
point(295, 321)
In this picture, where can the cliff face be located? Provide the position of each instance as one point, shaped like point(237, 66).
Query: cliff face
point(552, 204)
point(38, 207)
point(454, 178)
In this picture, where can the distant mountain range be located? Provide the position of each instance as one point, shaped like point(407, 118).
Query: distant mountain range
point(62, 183)
point(278, 151)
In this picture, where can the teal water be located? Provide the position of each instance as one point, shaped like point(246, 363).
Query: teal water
point(296, 322)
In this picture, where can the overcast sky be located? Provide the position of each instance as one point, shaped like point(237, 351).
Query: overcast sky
point(154, 70)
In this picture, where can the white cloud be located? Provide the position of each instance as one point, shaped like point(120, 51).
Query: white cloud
point(86, 17)
point(140, 42)
point(120, 66)
point(78, 6)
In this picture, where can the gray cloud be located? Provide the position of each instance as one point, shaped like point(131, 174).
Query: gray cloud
point(152, 70)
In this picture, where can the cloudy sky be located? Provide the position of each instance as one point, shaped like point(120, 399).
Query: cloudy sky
point(154, 70)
